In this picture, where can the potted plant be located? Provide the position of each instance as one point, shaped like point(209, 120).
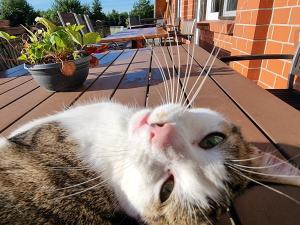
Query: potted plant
point(58, 57)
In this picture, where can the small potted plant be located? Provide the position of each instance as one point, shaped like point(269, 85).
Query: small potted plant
point(59, 57)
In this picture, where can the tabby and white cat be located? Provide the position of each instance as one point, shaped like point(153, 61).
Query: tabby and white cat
point(96, 163)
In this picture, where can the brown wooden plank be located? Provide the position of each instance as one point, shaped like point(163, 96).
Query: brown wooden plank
point(22, 106)
point(133, 88)
point(14, 83)
point(14, 94)
point(104, 87)
point(60, 100)
point(279, 121)
point(4, 80)
point(213, 97)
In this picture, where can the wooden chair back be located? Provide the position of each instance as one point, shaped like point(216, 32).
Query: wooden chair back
point(80, 21)
point(72, 18)
point(9, 53)
point(134, 20)
point(88, 23)
point(187, 28)
point(66, 18)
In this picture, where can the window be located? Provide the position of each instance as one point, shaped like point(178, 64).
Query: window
point(212, 9)
point(220, 9)
point(229, 8)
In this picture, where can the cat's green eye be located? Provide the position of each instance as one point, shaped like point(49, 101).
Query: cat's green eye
point(166, 189)
point(212, 140)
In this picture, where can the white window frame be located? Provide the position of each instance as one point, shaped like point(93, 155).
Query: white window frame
point(215, 16)
point(210, 15)
point(228, 13)
point(178, 8)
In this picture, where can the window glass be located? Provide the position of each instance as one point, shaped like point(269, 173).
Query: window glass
point(231, 5)
point(215, 6)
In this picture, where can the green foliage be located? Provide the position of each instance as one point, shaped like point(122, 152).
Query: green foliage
point(96, 11)
point(17, 11)
point(70, 6)
point(6, 36)
point(54, 43)
point(115, 18)
point(143, 9)
point(65, 6)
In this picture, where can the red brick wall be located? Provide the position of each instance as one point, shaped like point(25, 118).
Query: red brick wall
point(188, 9)
point(250, 34)
point(282, 37)
point(260, 27)
point(218, 33)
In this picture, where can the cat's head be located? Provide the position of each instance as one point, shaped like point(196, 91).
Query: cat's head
point(181, 165)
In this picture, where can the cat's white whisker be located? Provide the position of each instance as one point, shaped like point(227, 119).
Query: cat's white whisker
point(188, 66)
point(199, 207)
point(172, 59)
point(179, 66)
point(168, 69)
point(79, 184)
point(204, 79)
point(161, 72)
point(252, 158)
point(264, 185)
point(207, 73)
point(268, 166)
point(263, 174)
point(80, 192)
point(163, 76)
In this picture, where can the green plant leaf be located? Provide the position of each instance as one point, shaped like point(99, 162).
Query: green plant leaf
point(57, 41)
point(91, 38)
point(22, 57)
point(75, 36)
point(33, 37)
point(49, 25)
point(6, 36)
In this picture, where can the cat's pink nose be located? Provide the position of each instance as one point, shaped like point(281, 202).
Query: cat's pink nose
point(162, 134)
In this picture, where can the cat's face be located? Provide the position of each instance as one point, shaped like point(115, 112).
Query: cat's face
point(177, 170)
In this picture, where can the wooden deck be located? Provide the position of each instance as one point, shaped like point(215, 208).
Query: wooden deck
point(133, 77)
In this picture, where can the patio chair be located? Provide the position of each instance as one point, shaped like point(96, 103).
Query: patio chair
point(81, 21)
point(88, 23)
point(105, 30)
point(173, 29)
point(72, 18)
point(134, 22)
point(187, 30)
point(9, 54)
point(289, 95)
point(66, 18)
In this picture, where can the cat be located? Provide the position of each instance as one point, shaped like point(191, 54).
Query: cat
point(107, 163)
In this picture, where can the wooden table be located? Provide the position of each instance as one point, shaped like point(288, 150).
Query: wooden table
point(132, 76)
point(137, 36)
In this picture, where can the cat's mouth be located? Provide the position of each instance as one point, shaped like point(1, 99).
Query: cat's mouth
point(167, 188)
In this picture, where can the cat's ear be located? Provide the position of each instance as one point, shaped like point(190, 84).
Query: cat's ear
point(275, 169)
